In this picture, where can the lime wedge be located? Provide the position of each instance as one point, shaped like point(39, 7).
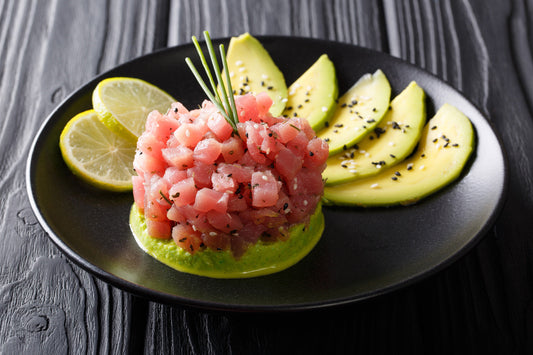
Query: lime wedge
point(96, 154)
point(123, 104)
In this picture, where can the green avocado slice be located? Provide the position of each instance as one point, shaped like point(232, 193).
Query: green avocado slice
point(358, 112)
point(446, 144)
point(251, 69)
point(313, 95)
point(391, 141)
point(260, 259)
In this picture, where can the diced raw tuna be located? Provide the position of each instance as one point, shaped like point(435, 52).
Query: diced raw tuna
point(265, 189)
point(317, 153)
point(285, 131)
point(232, 149)
point(138, 190)
point(298, 145)
point(288, 164)
point(206, 186)
point(247, 109)
point(183, 193)
point(189, 134)
point(207, 151)
point(219, 126)
point(223, 182)
point(209, 199)
point(201, 173)
point(174, 175)
point(225, 222)
point(157, 229)
point(180, 157)
point(186, 238)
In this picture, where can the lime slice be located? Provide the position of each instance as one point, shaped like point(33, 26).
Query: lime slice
point(123, 104)
point(96, 154)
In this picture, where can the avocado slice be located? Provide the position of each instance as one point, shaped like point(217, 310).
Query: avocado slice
point(313, 95)
point(391, 141)
point(251, 69)
point(358, 112)
point(446, 144)
point(261, 258)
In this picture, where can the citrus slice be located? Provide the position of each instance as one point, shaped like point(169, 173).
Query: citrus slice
point(123, 104)
point(96, 154)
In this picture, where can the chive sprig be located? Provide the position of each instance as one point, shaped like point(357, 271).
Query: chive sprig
point(223, 98)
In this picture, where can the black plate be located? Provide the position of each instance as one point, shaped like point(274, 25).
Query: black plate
point(363, 252)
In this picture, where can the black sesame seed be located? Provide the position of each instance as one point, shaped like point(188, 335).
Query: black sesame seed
point(397, 173)
point(394, 178)
point(434, 127)
point(339, 125)
point(327, 124)
point(344, 147)
point(343, 105)
point(344, 166)
point(270, 87)
point(436, 139)
point(392, 156)
point(311, 154)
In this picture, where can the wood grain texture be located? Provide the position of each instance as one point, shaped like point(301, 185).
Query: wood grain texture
point(47, 50)
point(481, 304)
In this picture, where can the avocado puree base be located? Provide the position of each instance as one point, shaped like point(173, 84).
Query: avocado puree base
point(260, 259)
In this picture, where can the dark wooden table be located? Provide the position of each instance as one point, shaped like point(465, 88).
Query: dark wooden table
point(481, 304)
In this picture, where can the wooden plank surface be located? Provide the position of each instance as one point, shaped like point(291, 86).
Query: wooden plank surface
point(482, 303)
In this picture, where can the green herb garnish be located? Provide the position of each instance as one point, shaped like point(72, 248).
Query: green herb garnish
point(165, 198)
point(296, 128)
point(224, 101)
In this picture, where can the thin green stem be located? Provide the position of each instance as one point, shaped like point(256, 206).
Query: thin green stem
point(214, 61)
point(206, 66)
point(224, 101)
point(230, 88)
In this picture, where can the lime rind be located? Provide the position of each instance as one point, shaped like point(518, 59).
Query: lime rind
point(97, 155)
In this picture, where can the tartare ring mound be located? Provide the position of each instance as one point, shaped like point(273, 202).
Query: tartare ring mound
point(204, 187)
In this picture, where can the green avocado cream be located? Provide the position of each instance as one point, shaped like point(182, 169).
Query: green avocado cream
point(260, 259)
